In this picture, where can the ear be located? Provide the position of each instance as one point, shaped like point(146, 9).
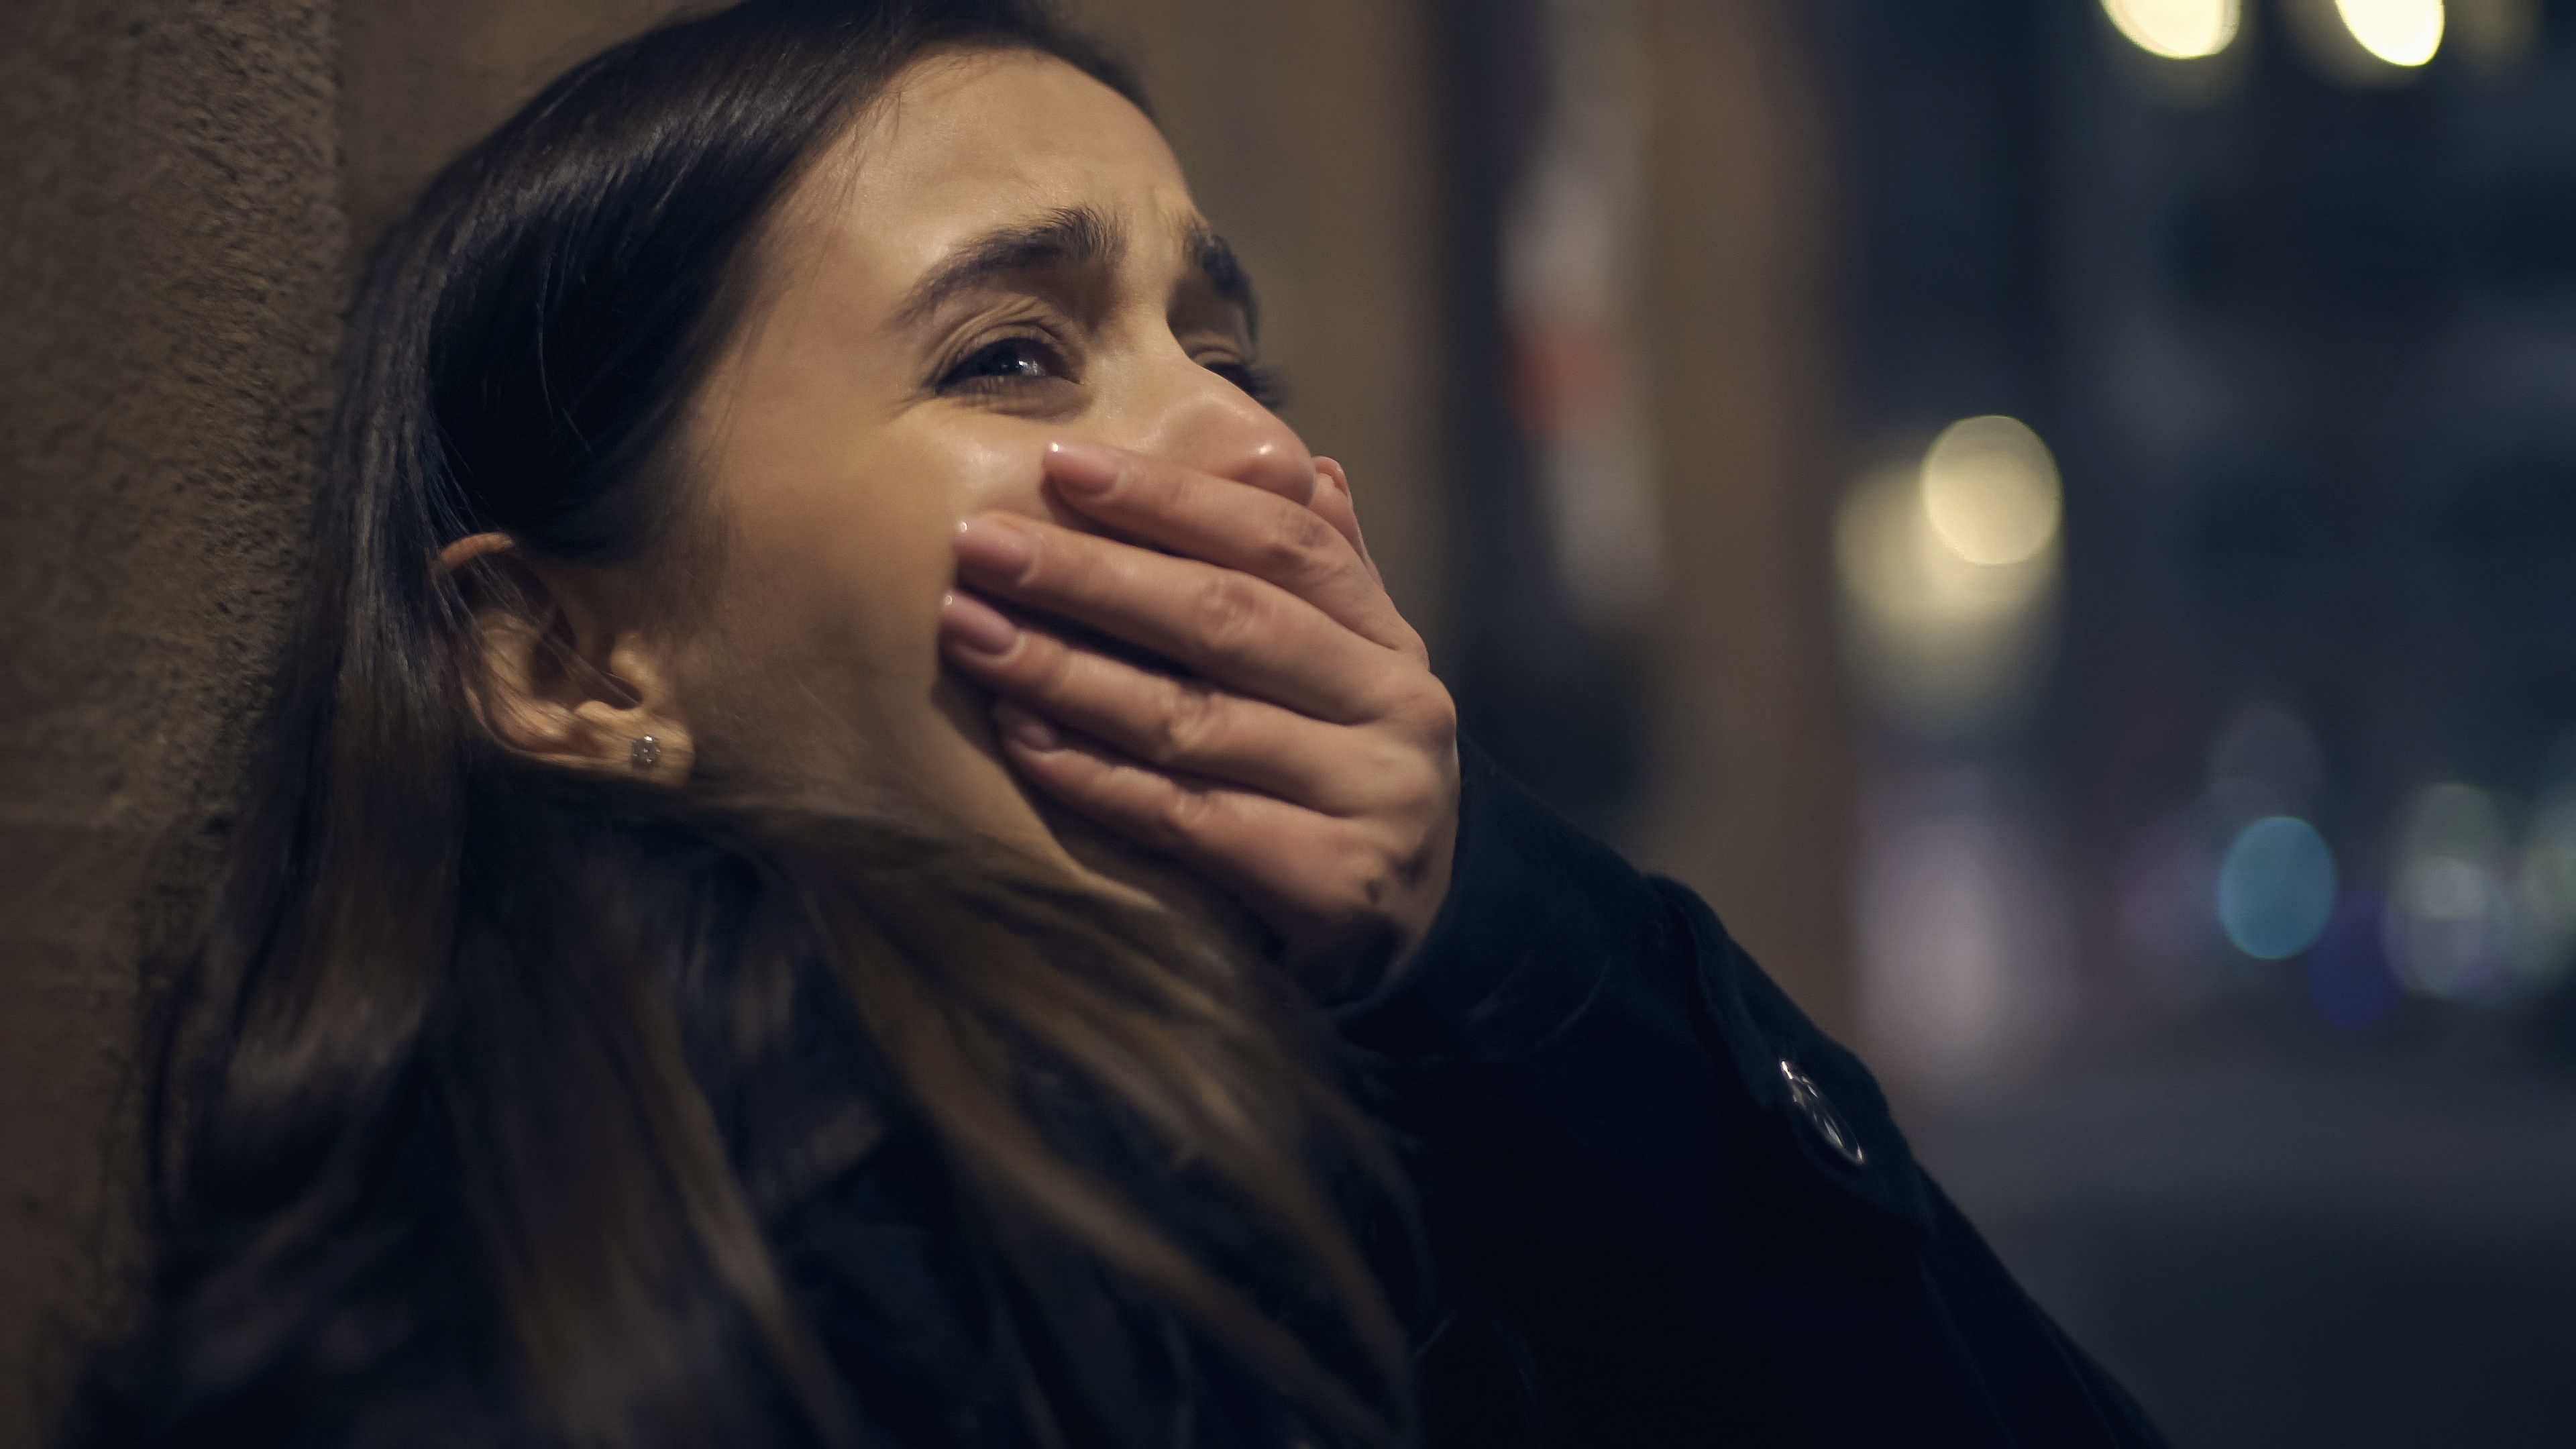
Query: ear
point(557, 676)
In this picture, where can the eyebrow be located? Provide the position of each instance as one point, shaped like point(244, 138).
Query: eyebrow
point(1217, 262)
point(1070, 237)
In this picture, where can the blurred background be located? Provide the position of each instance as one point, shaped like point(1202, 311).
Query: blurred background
point(2057, 516)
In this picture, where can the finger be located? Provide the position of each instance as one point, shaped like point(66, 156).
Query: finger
point(1229, 626)
point(1186, 725)
point(1332, 502)
point(1336, 505)
point(1234, 525)
point(1266, 850)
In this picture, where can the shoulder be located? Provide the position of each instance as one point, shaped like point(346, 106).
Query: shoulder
point(1667, 1196)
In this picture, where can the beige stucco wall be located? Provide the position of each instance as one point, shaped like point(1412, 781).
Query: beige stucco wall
point(171, 247)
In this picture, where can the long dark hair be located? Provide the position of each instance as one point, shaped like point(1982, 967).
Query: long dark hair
point(439, 1147)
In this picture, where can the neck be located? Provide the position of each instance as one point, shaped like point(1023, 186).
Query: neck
point(1125, 871)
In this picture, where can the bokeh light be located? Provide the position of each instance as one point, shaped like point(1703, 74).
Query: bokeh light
point(1941, 638)
point(2400, 32)
point(1897, 566)
point(2549, 863)
point(2176, 29)
point(2458, 821)
point(2448, 925)
point(1990, 491)
point(2544, 915)
point(2276, 888)
point(2450, 920)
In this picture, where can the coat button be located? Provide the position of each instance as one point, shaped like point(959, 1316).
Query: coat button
point(1821, 1115)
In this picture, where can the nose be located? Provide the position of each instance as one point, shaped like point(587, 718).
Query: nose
point(1197, 418)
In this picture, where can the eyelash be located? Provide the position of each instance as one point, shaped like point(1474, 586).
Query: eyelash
point(1261, 384)
point(963, 378)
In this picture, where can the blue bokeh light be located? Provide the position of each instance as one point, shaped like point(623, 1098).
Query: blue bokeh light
point(2276, 887)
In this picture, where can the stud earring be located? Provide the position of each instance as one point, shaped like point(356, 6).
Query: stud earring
point(645, 753)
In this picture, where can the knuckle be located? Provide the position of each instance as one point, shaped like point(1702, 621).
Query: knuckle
point(1068, 567)
point(1229, 614)
point(1427, 710)
point(1296, 547)
point(1186, 814)
point(1406, 788)
point(1049, 666)
point(1190, 718)
point(1380, 768)
point(1138, 803)
point(1440, 712)
point(1399, 857)
point(1370, 873)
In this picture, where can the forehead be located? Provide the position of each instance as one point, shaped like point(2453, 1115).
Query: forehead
point(961, 144)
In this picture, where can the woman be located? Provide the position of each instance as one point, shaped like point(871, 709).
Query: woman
point(850, 852)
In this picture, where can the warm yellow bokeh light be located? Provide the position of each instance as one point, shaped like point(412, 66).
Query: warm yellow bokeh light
point(1896, 564)
point(1935, 637)
point(2176, 29)
point(2400, 32)
point(1990, 491)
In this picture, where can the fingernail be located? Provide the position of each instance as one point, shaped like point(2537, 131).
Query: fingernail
point(1026, 729)
point(986, 542)
point(976, 625)
point(1082, 466)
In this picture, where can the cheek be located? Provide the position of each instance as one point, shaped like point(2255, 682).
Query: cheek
point(1000, 466)
point(840, 549)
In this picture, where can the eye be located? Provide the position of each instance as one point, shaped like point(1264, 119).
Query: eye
point(1006, 362)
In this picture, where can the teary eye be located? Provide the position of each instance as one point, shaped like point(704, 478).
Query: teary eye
point(1001, 363)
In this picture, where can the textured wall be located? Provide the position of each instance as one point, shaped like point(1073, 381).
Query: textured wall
point(170, 258)
point(423, 79)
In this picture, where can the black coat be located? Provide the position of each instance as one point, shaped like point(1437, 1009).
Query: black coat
point(1663, 1208)
point(1671, 1210)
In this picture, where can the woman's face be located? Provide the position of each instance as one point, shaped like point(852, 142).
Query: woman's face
point(1000, 254)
